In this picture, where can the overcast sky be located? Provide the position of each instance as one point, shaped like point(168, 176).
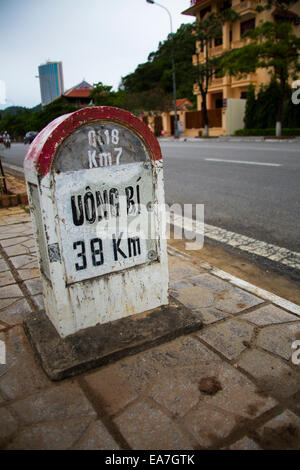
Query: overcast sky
point(96, 40)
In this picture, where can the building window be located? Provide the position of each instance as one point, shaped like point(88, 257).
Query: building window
point(226, 4)
point(204, 11)
point(247, 25)
point(243, 95)
point(219, 103)
point(218, 41)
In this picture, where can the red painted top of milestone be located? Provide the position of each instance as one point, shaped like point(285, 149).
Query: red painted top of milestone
point(42, 150)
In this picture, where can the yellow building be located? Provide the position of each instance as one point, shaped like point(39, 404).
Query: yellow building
point(228, 93)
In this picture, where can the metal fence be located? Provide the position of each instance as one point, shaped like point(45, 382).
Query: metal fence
point(195, 119)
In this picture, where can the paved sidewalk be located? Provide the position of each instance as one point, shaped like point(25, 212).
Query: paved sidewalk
point(231, 385)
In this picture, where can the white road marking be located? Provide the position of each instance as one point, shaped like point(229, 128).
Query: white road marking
point(251, 245)
point(275, 299)
point(241, 161)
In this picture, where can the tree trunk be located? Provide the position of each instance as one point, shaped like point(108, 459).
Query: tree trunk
point(205, 115)
point(278, 128)
point(280, 106)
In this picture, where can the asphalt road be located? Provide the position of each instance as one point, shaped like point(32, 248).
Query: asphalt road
point(244, 193)
point(247, 187)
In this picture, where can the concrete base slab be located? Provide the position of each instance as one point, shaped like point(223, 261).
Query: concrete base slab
point(102, 344)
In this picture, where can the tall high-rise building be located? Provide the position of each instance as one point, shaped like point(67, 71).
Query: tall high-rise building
point(51, 81)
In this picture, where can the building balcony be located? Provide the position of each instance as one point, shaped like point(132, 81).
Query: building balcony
point(216, 83)
point(243, 80)
point(196, 59)
point(214, 51)
point(246, 6)
point(240, 43)
point(196, 89)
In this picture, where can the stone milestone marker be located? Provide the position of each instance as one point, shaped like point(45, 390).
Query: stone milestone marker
point(95, 188)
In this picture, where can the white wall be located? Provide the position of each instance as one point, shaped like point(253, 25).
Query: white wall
point(235, 112)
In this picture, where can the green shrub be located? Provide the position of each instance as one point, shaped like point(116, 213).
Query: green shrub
point(261, 110)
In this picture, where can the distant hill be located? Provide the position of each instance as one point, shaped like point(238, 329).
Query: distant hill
point(36, 108)
point(14, 110)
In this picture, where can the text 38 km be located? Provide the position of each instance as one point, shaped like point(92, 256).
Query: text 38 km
point(104, 158)
point(131, 247)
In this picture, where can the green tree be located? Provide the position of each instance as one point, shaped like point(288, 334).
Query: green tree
point(102, 95)
point(156, 73)
point(208, 31)
point(151, 100)
point(250, 113)
point(261, 110)
point(29, 120)
point(274, 46)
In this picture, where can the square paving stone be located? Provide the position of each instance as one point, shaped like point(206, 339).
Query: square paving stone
point(272, 375)
point(50, 436)
point(210, 315)
point(184, 359)
point(195, 297)
point(8, 425)
point(21, 375)
point(30, 243)
point(230, 338)
point(179, 285)
point(11, 291)
point(6, 278)
point(39, 301)
point(245, 444)
point(16, 312)
point(34, 286)
point(210, 425)
point(7, 302)
point(177, 392)
point(13, 241)
point(3, 266)
point(181, 269)
point(23, 261)
point(279, 339)
point(236, 300)
point(146, 427)
point(29, 273)
point(269, 315)
point(16, 250)
point(237, 394)
point(97, 438)
point(281, 433)
point(57, 403)
point(210, 282)
point(114, 387)
point(12, 231)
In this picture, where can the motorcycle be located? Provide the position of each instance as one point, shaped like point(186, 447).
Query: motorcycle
point(6, 141)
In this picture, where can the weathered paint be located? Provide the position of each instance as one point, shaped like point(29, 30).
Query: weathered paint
point(89, 278)
point(41, 152)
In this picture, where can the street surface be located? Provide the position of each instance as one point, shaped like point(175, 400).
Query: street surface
point(249, 188)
